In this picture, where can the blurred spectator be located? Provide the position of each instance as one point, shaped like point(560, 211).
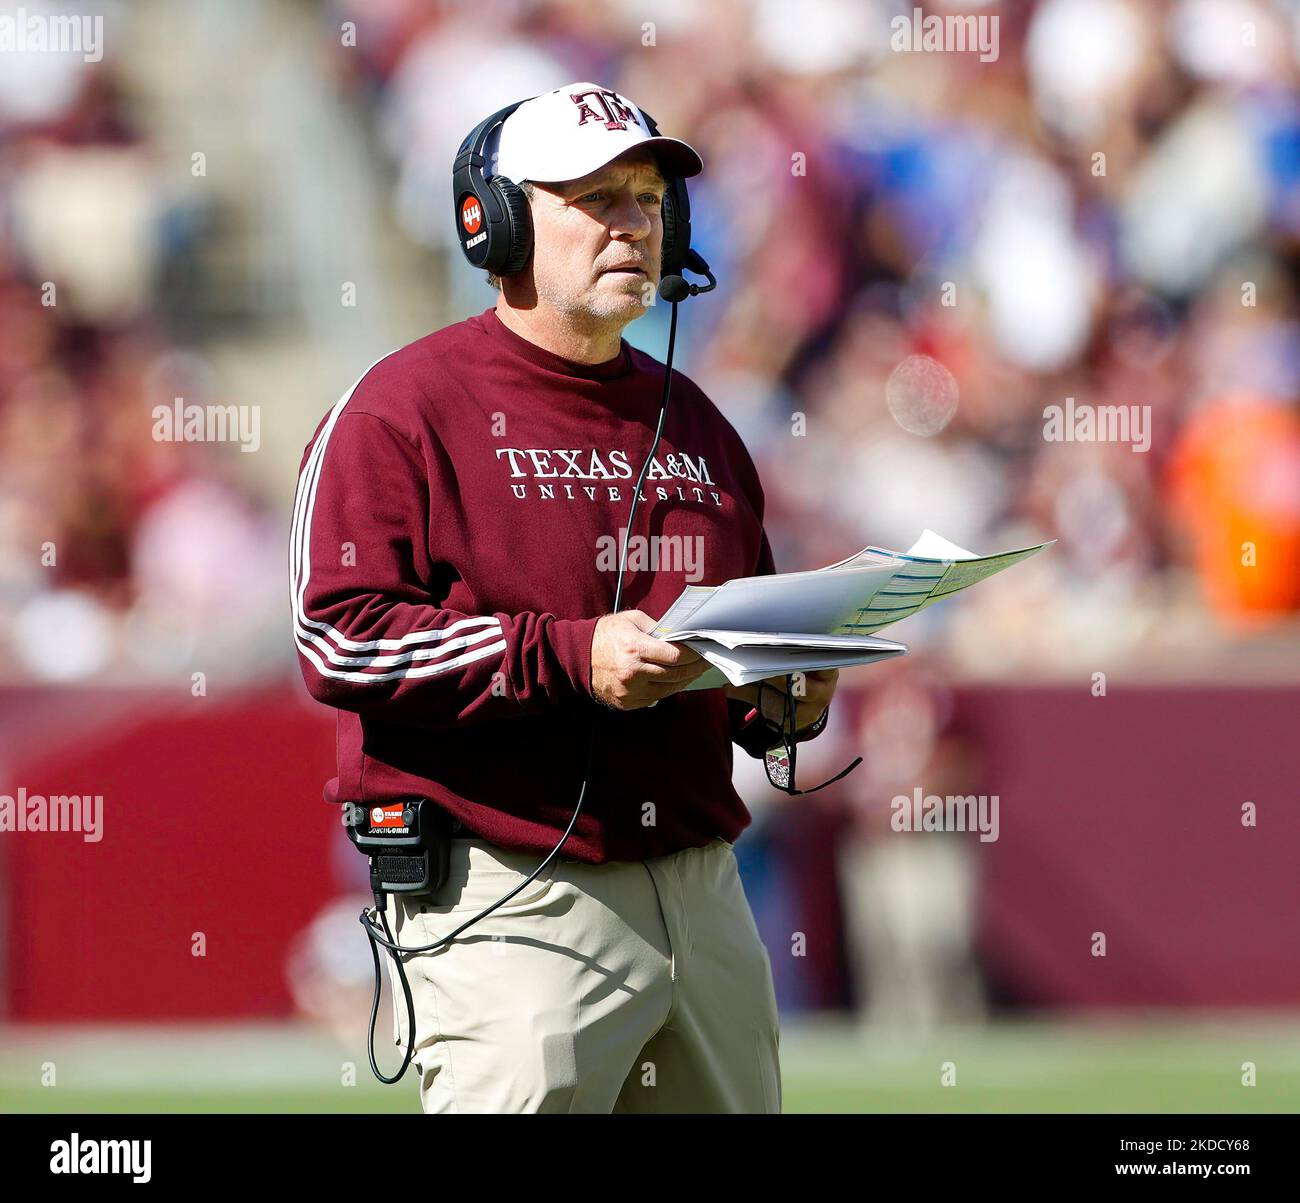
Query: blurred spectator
point(115, 549)
point(910, 896)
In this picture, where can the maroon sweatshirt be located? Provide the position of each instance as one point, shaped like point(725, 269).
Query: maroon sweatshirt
point(455, 539)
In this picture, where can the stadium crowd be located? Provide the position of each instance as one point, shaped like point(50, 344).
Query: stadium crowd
point(919, 253)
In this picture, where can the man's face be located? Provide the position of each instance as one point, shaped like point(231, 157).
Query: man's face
point(598, 241)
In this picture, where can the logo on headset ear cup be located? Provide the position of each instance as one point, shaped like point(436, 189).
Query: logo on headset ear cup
point(471, 214)
point(474, 228)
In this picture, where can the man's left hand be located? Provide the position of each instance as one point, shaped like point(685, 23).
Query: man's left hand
point(818, 689)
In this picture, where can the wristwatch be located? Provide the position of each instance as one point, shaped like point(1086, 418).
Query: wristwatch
point(817, 726)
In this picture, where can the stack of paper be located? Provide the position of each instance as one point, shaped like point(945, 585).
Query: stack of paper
point(767, 626)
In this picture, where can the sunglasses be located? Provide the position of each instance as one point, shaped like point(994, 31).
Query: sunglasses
point(779, 760)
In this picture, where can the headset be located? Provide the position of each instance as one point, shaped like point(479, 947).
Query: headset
point(495, 224)
point(408, 849)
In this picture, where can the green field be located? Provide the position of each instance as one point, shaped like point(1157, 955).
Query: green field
point(1159, 1064)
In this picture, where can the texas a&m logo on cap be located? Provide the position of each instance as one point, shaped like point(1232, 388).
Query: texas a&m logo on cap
point(471, 214)
point(613, 112)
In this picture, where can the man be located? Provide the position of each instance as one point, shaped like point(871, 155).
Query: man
point(451, 586)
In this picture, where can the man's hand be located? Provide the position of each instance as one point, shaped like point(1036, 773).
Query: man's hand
point(630, 670)
point(819, 688)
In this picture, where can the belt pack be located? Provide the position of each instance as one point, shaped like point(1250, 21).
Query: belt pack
point(408, 843)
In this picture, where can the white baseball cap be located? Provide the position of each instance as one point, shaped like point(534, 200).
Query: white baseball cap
point(575, 130)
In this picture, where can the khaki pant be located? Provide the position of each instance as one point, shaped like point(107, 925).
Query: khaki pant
point(627, 986)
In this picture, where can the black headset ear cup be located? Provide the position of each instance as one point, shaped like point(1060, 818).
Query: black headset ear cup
point(672, 255)
point(518, 243)
point(675, 214)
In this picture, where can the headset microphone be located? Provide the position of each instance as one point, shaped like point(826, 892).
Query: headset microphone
point(674, 288)
point(408, 843)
